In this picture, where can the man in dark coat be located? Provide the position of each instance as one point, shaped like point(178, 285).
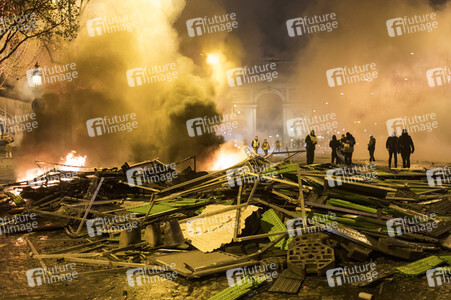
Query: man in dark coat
point(334, 144)
point(311, 140)
point(405, 147)
point(392, 148)
point(372, 148)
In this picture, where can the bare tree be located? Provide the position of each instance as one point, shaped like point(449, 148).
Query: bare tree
point(28, 27)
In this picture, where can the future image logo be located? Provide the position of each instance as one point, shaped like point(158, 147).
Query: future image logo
point(109, 125)
point(348, 75)
point(408, 25)
point(216, 124)
point(108, 25)
point(438, 76)
point(154, 74)
point(350, 275)
point(308, 25)
point(438, 276)
point(57, 273)
point(411, 224)
point(413, 124)
point(252, 74)
point(239, 276)
point(209, 25)
point(139, 276)
point(438, 176)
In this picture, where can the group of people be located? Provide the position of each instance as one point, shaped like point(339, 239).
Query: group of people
point(403, 145)
point(265, 145)
point(345, 146)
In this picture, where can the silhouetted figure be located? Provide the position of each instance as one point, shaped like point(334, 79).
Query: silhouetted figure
point(392, 148)
point(265, 147)
point(255, 144)
point(9, 139)
point(334, 144)
point(372, 147)
point(277, 146)
point(311, 140)
point(405, 147)
point(348, 148)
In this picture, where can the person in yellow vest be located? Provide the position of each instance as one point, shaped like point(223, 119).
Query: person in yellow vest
point(311, 140)
point(265, 147)
point(255, 144)
point(8, 148)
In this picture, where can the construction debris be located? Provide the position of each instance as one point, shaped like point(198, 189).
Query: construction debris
point(302, 217)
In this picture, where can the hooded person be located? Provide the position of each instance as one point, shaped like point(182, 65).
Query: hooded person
point(372, 148)
point(311, 140)
point(392, 148)
point(334, 144)
point(348, 148)
point(265, 147)
point(277, 146)
point(405, 147)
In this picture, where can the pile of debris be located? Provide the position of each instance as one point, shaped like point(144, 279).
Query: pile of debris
point(300, 220)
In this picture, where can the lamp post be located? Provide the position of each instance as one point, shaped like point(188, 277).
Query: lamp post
point(37, 75)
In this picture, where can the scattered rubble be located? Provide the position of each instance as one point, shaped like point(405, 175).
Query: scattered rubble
point(303, 219)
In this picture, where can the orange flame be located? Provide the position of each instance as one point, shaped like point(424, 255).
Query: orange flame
point(227, 156)
point(73, 160)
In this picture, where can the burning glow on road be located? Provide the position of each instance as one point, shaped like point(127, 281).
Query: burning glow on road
point(227, 156)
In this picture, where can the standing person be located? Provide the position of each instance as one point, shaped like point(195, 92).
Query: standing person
point(342, 141)
point(277, 146)
point(311, 140)
point(372, 147)
point(392, 148)
point(265, 147)
point(348, 148)
point(255, 144)
point(405, 145)
point(334, 144)
point(8, 148)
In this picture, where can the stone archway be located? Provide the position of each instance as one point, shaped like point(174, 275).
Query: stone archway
point(269, 113)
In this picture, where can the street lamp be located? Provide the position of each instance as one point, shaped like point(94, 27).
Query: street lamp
point(36, 75)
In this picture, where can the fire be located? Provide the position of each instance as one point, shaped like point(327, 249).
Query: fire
point(227, 156)
point(73, 160)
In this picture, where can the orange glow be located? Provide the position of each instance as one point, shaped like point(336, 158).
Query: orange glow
point(226, 157)
point(73, 160)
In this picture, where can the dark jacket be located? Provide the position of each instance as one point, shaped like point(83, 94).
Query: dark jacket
point(405, 144)
point(348, 144)
point(372, 144)
point(334, 144)
point(392, 143)
point(310, 144)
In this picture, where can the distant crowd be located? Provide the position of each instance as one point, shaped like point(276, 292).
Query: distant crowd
point(343, 148)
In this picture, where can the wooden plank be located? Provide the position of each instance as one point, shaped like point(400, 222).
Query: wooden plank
point(94, 196)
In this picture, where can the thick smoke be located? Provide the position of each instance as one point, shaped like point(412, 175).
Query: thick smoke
point(401, 87)
point(162, 108)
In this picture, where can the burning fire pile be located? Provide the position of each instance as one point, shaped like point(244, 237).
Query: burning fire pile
point(226, 156)
point(71, 162)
